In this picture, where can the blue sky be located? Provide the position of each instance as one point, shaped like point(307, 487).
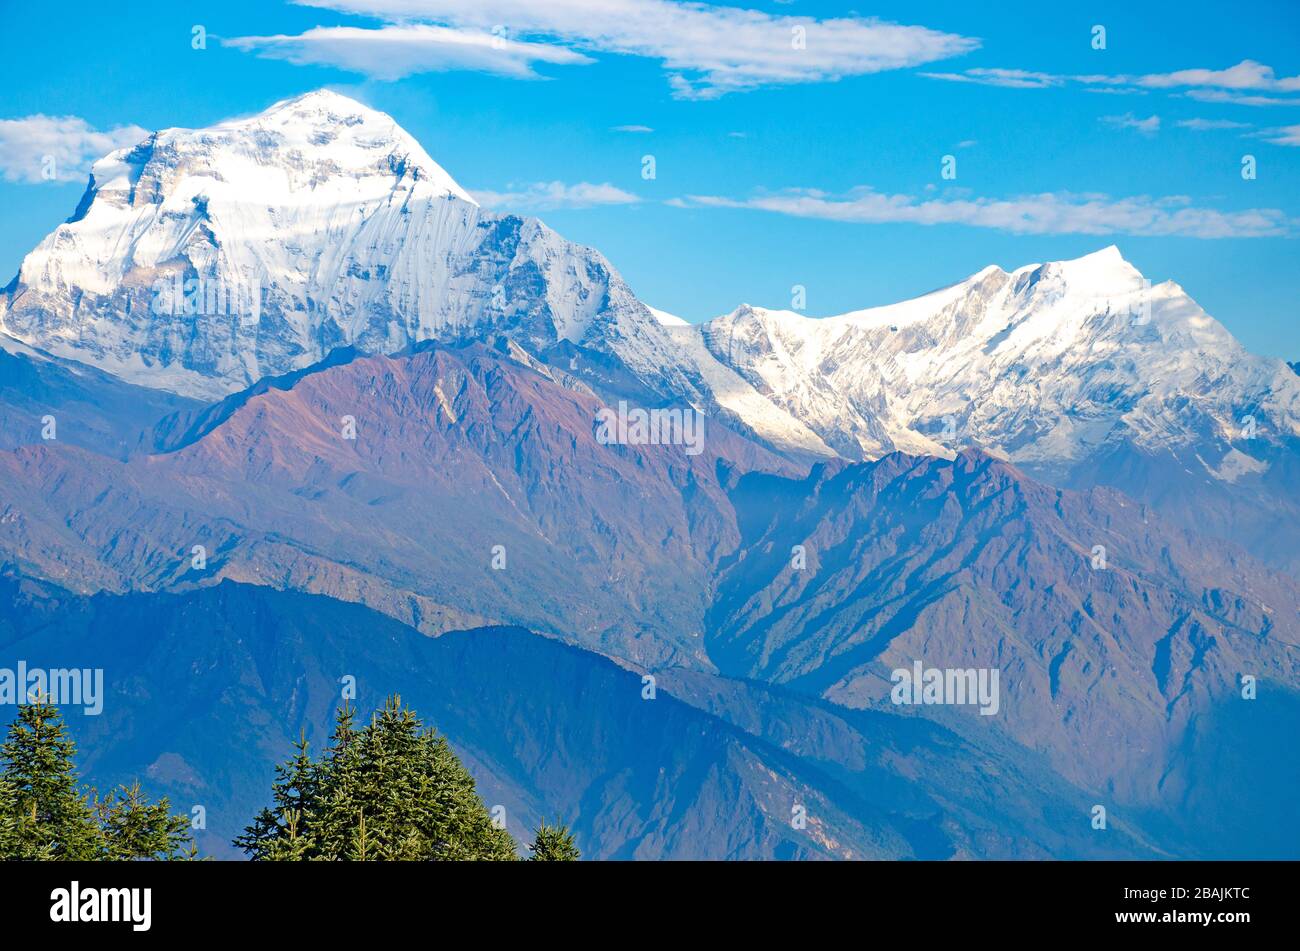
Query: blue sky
point(775, 165)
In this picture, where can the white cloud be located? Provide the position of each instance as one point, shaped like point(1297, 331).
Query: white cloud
point(392, 52)
point(1237, 98)
point(632, 128)
point(1115, 90)
point(1286, 135)
point(1049, 213)
point(1147, 126)
point(65, 145)
point(708, 51)
point(1247, 74)
point(1008, 78)
point(550, 196)
point(1240, 84)
point(1209, 125)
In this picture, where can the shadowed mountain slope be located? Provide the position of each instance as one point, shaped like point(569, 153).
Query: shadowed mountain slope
point(205, 690)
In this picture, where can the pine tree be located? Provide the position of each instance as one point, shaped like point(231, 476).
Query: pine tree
point(553, 844)
point(391, 790)
point(396, 791)
point(9, 841)
point(340, 805)
point(51, 817)
point(46, 815)
point(134, 828)
point(282, 832)
point(455, 823)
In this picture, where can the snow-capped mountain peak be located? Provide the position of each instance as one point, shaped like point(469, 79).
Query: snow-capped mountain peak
point(203, 259)
point(328, 129)
point(312, 150)
point(320, 223)
point(1049, 363)
point(1104, 269)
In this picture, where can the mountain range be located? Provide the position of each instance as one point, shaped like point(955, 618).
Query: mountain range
point(317, 413)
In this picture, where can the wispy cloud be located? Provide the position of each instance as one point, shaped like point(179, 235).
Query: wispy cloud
point(1210, 125)
point(708, 51)
point(1115, 90)
point(1248, 83)
point(1147, 126)
point(1237, 98)
point(1007, 78)
point(1247, 74)
point(1050, 213)
point(1286, 135)
point(550, 196)
point(392, 52)
point(36, 146)
point(632, 128)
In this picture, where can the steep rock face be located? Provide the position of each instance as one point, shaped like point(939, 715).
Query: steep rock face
point(1115, 635)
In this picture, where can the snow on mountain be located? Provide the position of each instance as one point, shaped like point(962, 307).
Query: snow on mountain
point(1047, 364)
point(202, 260)
point(736, 399)
point(667, 319)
